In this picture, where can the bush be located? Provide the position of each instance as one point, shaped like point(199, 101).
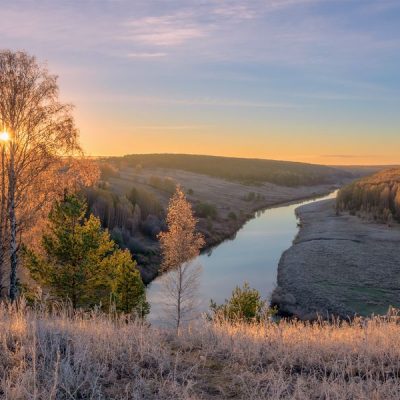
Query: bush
point(232, 215)
point(167, 184)
point(108, 170)
point(245, 304)
point(250, 196)
point(136, 246)
point(148, 202)
point(152, 226)
point(116, 236)
point(206, 210)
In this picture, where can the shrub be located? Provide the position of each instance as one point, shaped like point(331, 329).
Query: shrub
point(108, 170)
point(136, 246)
point(206, 210)
point(152, 226)
point(116, 236)
point(167, 184)
point(250, 196)
point(148, 202)
point(245, 304)
point(232, 215)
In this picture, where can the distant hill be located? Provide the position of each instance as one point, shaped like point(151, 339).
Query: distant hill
point(377, 196)
point(244, 170)
point(359, 171)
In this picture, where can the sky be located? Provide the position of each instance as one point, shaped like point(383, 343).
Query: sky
point(304, 80)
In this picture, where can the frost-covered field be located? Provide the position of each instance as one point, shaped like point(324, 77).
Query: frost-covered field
point(68, 355)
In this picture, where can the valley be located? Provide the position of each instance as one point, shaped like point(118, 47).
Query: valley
point(221, 205)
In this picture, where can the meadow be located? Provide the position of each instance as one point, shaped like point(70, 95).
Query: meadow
point(74, 355)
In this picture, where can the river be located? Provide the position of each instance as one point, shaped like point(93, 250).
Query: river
point(251, 256)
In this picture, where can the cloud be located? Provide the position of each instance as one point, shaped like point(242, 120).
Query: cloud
point(276, 32)
point(341, 97)
point(235, 11)
point(167, 30)
point(171, 127)
point(211, 102)
point(348, 155)
point(146, 55)
point(184, 101)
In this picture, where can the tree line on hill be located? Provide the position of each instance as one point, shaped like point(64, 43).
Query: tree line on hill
point(377, 196)
point(248, 171)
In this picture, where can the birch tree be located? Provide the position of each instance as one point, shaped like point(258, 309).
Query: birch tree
point(3, 209)
point(42, 137)
point(180, 244)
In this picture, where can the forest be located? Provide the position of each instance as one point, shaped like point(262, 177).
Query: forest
point(376, 197)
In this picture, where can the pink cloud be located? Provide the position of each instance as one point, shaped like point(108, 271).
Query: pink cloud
point(167, 30)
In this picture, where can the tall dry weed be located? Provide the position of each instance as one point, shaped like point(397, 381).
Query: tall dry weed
point(61, 354)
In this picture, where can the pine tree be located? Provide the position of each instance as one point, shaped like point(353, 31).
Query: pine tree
point(128, 290)
point(82, 264)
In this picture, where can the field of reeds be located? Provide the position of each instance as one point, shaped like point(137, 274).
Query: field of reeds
point(72, 355)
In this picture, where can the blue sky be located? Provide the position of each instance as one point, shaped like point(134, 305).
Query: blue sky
point(306, 80)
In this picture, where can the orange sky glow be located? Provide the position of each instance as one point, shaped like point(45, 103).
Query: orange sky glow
point(304, 80)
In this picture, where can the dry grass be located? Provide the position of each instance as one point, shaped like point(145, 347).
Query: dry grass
point(81, 356)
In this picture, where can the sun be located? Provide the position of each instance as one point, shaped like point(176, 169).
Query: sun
point(4, 136)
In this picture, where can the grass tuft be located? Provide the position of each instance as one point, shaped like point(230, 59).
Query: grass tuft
point(72, 355)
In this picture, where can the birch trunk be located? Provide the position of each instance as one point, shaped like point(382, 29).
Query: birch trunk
point(13, 228)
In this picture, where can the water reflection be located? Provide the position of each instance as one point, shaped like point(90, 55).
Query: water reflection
point(252, 256)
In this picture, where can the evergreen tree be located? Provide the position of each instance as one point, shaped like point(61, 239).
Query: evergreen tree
point(245, 304)
point(81, 263)
point(128, 290)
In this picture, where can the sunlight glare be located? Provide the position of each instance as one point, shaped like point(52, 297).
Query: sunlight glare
point(4, 136)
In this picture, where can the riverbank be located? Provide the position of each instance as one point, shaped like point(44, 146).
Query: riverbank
point(339, 265)
point(252, 257)
point(234, 204)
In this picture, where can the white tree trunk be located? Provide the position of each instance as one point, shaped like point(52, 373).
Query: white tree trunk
point(2, 214)
point(13, 228)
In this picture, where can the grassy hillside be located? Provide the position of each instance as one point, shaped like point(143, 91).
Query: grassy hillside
point(244, 170)
point(80, 356)
point(377, 196)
